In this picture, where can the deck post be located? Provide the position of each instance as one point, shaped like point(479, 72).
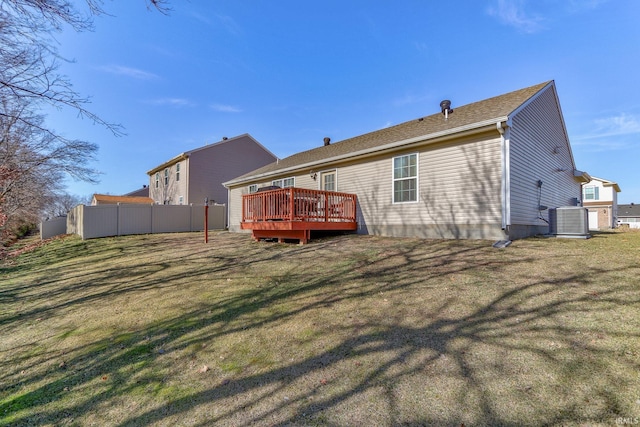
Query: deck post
point(326, 207)
point(292, 205)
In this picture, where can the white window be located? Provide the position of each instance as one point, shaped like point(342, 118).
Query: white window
point(591, 192)
point(157, 179)
point(178, 172)
point(253, 188)
point(284, 183)
point(405, 178)
point(328, 181)
point(180, 200)
point(166, 177)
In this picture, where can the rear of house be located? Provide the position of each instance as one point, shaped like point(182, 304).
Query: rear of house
point(600, 197)
point(629, 215)
point(197, 175)
point(487, 170)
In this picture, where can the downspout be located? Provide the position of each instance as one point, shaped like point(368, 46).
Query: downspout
point(505, 179)
point(228, 208)
point(186, 187)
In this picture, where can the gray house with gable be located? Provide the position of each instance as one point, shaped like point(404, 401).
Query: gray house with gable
point(486, 170)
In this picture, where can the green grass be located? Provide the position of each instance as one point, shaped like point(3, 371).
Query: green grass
point(349, 330)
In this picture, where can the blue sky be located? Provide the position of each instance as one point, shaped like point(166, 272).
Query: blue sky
point(290, 73)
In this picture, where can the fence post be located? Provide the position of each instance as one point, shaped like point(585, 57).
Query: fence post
point(206, 220)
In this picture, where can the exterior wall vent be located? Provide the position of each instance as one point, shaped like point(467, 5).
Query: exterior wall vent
point(569, 221)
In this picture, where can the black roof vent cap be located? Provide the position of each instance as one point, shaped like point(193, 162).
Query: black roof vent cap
point(445, 107)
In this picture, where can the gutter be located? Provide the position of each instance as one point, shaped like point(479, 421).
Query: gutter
point(426, 139)
point(166, 164)
point(582, 177)
point(505, 180)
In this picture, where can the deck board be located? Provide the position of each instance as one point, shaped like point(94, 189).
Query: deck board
point(292, 213)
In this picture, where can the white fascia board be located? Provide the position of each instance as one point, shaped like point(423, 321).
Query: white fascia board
point(179, 157)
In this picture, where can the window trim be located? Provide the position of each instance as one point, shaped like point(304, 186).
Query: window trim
point(394, 179)
point(333, 172)
point(253, 188)
point(280, 182)
point(596, 193)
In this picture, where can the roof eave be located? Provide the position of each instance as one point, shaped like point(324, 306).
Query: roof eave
point(615, 186)
point(581, 176)
point(425, 139)
point(168, 163)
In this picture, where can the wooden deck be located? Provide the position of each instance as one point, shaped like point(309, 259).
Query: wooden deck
point(292, 213)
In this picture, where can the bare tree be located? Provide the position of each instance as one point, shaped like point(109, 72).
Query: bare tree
point(164, 187)
point(61, 203)
point(33, 157)
point(33, 163)
point(29, 59)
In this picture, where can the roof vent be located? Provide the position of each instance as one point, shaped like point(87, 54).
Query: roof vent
point(327, 140)
point(224, 138)
point(445, 107)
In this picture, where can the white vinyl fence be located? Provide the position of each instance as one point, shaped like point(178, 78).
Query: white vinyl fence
point(118, 220)
point(53, 227)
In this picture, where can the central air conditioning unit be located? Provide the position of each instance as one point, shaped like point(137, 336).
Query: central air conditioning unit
point(569, 221)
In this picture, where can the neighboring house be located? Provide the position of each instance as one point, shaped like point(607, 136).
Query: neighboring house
point(141, 192)
point(487, 170)
point(198, 174)
point(106, 199)
point(600, 197)
point(629, 214)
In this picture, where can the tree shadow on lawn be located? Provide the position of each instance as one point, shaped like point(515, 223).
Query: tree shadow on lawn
point(441, 353)
point(87, 284)
point(521, 357)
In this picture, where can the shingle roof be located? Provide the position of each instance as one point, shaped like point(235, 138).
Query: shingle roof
point(495, 108)
point(105, 198)
point(186, 154)
point(631, 210)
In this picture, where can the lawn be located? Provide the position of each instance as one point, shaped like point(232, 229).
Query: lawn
point(348, 330)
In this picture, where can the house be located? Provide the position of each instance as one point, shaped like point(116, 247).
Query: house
point(197, 175)
point(629, 215)
point(106, 199)
point(140, 192)
point(486, 170)
point(600, 197)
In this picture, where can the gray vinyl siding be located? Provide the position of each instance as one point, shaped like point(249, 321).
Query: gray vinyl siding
point(209, 167)
point(458, 185)
point(234, 210)
point(539, 150)
point(203, 170)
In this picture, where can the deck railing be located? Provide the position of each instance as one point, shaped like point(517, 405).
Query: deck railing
point(299, 204)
